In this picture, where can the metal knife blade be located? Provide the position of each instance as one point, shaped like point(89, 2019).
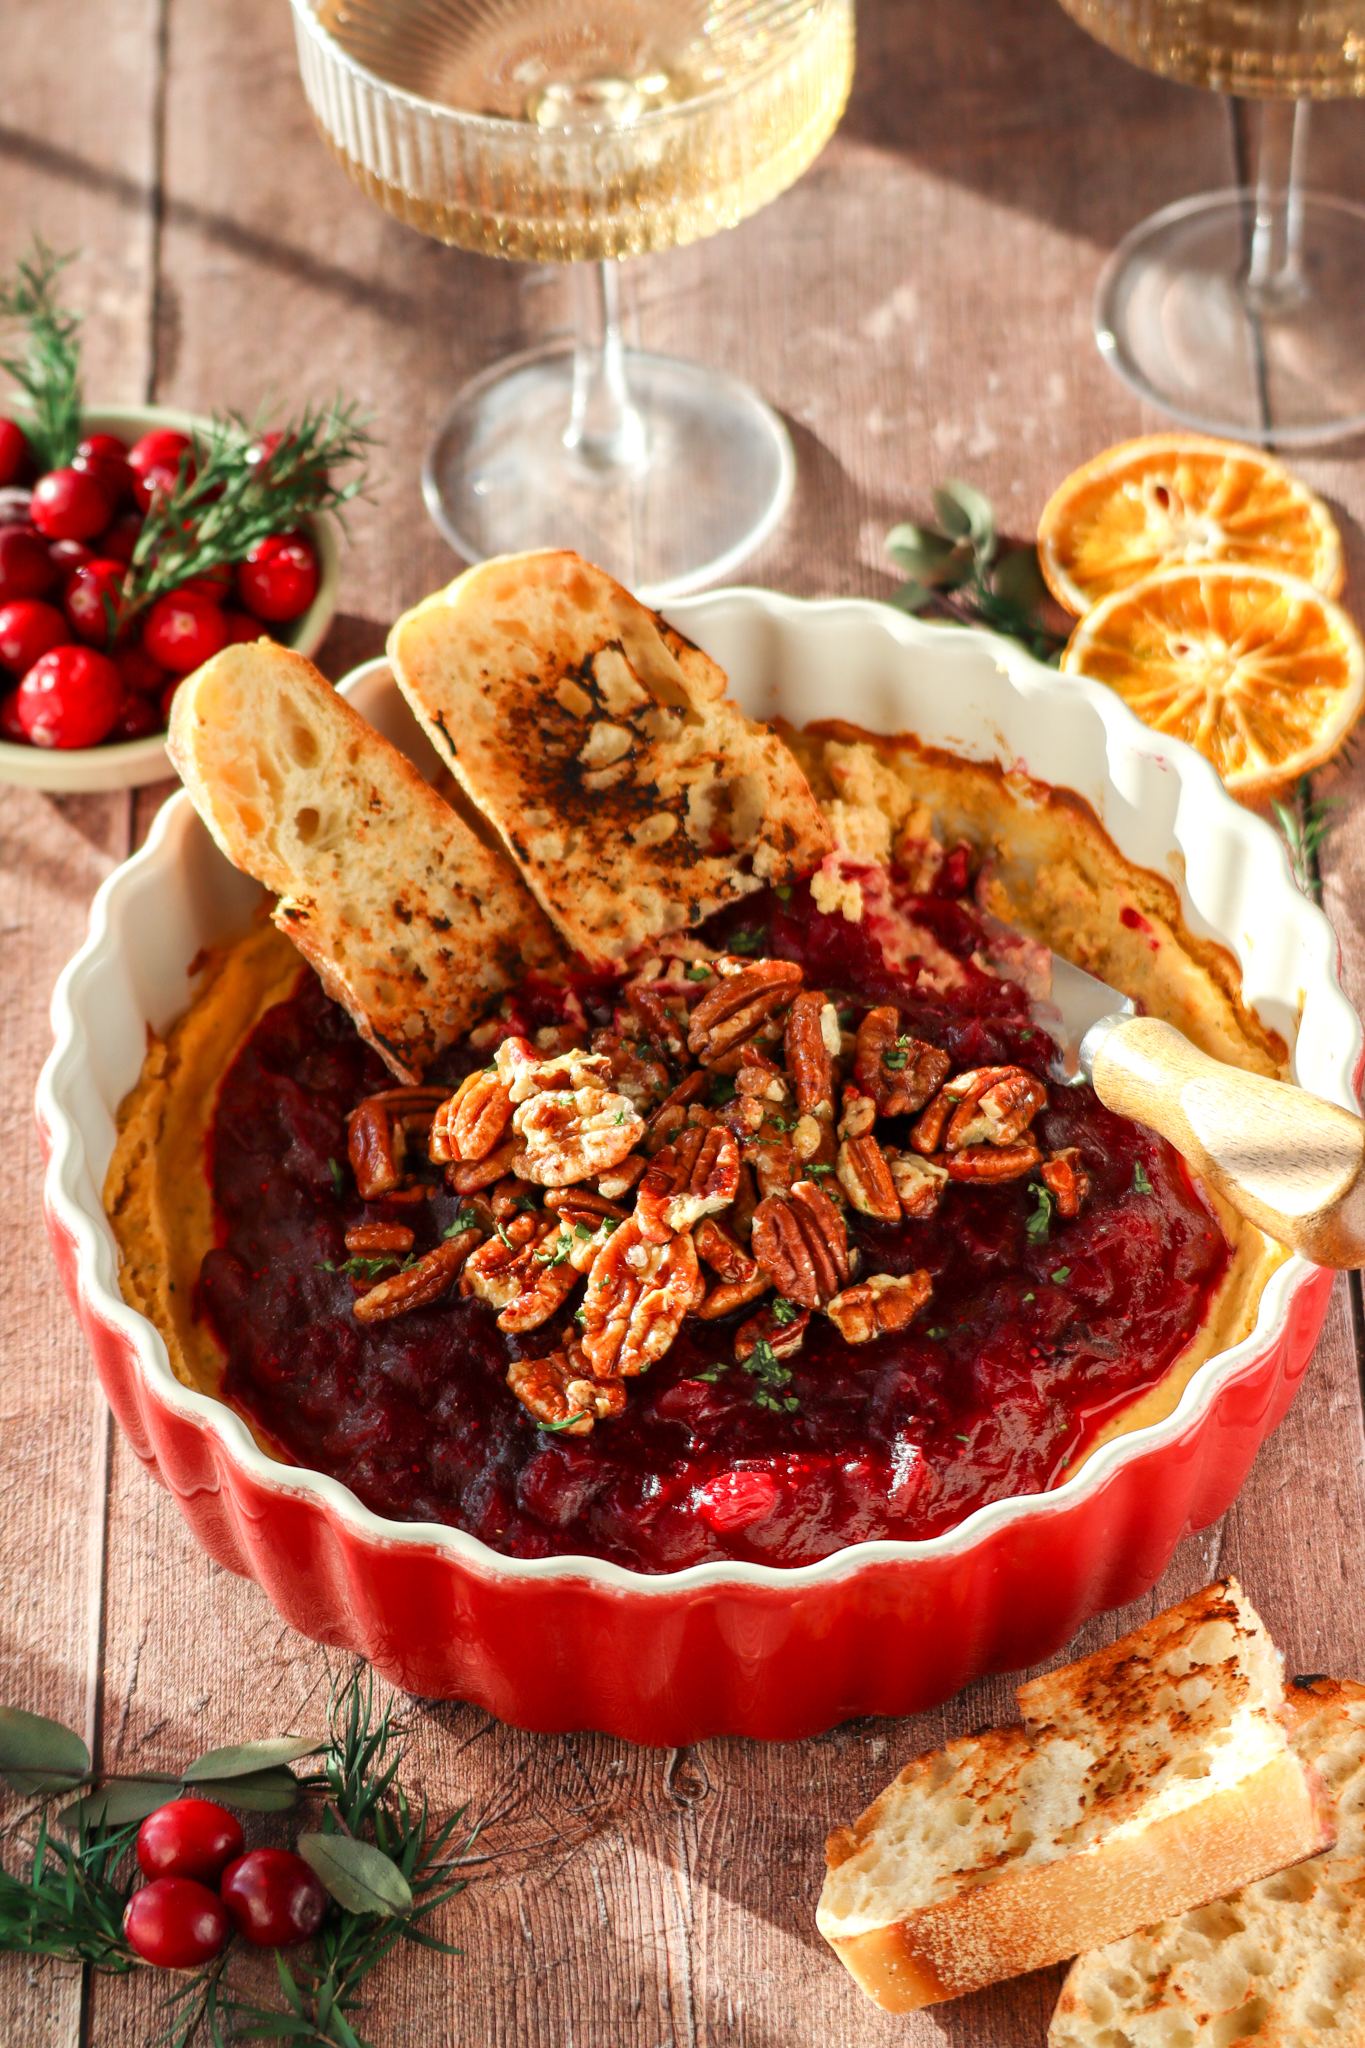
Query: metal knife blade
point(1078, 1002)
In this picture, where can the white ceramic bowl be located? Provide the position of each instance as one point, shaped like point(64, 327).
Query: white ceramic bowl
point(129, 764)
point(883, 1627)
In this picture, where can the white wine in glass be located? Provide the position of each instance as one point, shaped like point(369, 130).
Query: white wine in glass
point(1243, 311)
point(557, 132)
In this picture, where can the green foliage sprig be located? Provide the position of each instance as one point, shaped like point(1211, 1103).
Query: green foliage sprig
point(958, 568)
point(1304, 824)
point(48, 371)
point(386, 1866)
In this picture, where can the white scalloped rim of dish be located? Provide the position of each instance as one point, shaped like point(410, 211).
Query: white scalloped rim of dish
point(130, 764)
point(971, 693)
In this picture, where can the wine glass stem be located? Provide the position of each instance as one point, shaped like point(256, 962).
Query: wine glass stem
point(604, 431)
point(1275, 271)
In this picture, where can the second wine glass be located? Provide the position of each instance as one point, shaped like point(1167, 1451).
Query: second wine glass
point(557, 132)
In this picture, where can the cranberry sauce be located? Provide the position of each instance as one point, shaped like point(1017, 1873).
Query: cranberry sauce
point(1036, 1331)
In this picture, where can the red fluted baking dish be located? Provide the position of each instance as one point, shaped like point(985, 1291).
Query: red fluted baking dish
point(884, 1628)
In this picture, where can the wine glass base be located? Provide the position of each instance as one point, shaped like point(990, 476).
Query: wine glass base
point(1174, 321)
point(714, 478)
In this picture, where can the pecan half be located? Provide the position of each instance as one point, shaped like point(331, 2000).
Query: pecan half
point(860, 1113)
point(472, 1122)
point(644, 1081)
point(811, 1044)
point(802, 1245)
point(468, 1176)
point(637, 1296)
point(664, 1019)
point(693, 1177)
point(774, 1163)
point(900, 1073)
point(553, 1390)
point(671, 1115)
point(866, 1179)
point(369, 1143)
point(996, 1105)
point(420, 1285)
point(878, 1305)
point(919, 1183)
point(728, 1295)
point(581, 1202)
point(741, 1217)
point(525, 1074)
point(781, 1326)
point(721, 1251)
point(494, 1272)
point(511, 1196)
point(571, 1134)
point(546, 1278)
point(1064, 1176)
point(748, 996)
point(986, 1164)
point(365, 1239)
point(618, 1180)
point(760, 1077)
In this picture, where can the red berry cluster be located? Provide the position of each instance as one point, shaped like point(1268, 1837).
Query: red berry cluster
point(79, 675)
point(200, 1883)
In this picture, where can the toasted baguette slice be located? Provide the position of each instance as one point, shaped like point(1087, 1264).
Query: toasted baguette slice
point(634, 797)
point(1141, 1777)
point(409, 921)
point(1281, 1963)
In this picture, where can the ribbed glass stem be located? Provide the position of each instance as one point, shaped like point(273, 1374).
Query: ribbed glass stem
point(1275, 276)
point(605, 431)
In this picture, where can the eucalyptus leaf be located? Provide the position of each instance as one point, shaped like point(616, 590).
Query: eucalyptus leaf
point(359, 1877)
point(912, 597)
point(967, 513)
point(115, 1804)
point(908, 545)
point(259, 1792)
point(1019, 580)
point(38, 1755)
point(243, 1759)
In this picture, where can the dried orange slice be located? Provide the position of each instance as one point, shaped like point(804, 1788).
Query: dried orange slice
point(1259, 671)
point(1171, 499)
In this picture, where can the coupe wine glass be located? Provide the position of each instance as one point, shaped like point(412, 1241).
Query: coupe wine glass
point(583, 131)
point(1243, 311)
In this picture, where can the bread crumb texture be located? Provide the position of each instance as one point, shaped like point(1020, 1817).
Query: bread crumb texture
point(633, 795)
point(1278, 1964)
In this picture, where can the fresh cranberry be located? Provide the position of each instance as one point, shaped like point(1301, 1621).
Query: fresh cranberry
point(69, 554)
point(10, 727)
point(26, 569)
point(272, 1898)
point(138, 719)
point(214, 584)
point(118, 541)
point(91, 601)
point(14, 451)
point(183, 631)
point(105, 457)
point(175, 1923)
point(140, 672)
point(241, 626)
point(155, 461)
point(16, 501)
point(279, 578)
point(70, 698)
point(69, 505)
point(189, 1838)
point(27, 630)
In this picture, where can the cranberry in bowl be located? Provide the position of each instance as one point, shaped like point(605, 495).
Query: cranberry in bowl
point(665, 1649)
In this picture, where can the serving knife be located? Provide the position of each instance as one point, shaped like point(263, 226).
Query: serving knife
point(1291, 1163)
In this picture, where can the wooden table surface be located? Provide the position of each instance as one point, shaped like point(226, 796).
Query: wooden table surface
point(918, 307)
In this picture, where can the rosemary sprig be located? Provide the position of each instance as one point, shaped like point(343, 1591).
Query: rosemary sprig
point(48, 371)
point(957, 567)
point(71, 1904)
point(1305, 824)
point(242, 487)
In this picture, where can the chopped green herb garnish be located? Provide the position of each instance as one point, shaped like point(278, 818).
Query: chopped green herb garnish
point(937, 1331)
point(1062, 1274)
point(745, 942)
point(582, 1232)
point(784, 1311)
point(579, 1313)
point(1025, 1036)
point(1040, 1222)
point(555, 1250)
point(567, 1423)
point(722, 1090)
point(619, 1117)
point(697, 971)
point(845, 1019)
point(1030, 1297)
point(815, 1167)
point(1141, 1184)
point(964, 1439)
point(897, 1056)
point(338, 1178)
point(713, 1372)
point(358, 1268)
point(468, 1219)
point(773, 1377)
point(782, 893)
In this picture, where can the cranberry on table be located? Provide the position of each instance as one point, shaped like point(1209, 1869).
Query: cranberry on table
point(70, 698)
point(183, 630)
point(91, 600)
point(14, 451)
point(138, 719)
point(105, 458)
point(68, 504)
point(26, 568)
point(189, 1838)
point(118, 541)
point(140, 673)
point(10, 728)
point(175, 1923)
point(29, 629)
point(273, 1898)
point(279, 578)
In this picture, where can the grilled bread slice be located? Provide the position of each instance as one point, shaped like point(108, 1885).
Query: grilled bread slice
point(1281, 1963)
point(410, 921)
point(634, 797)
point(1146, 1779)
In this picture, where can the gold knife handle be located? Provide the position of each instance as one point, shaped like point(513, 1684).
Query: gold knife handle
point(1290, 1162)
